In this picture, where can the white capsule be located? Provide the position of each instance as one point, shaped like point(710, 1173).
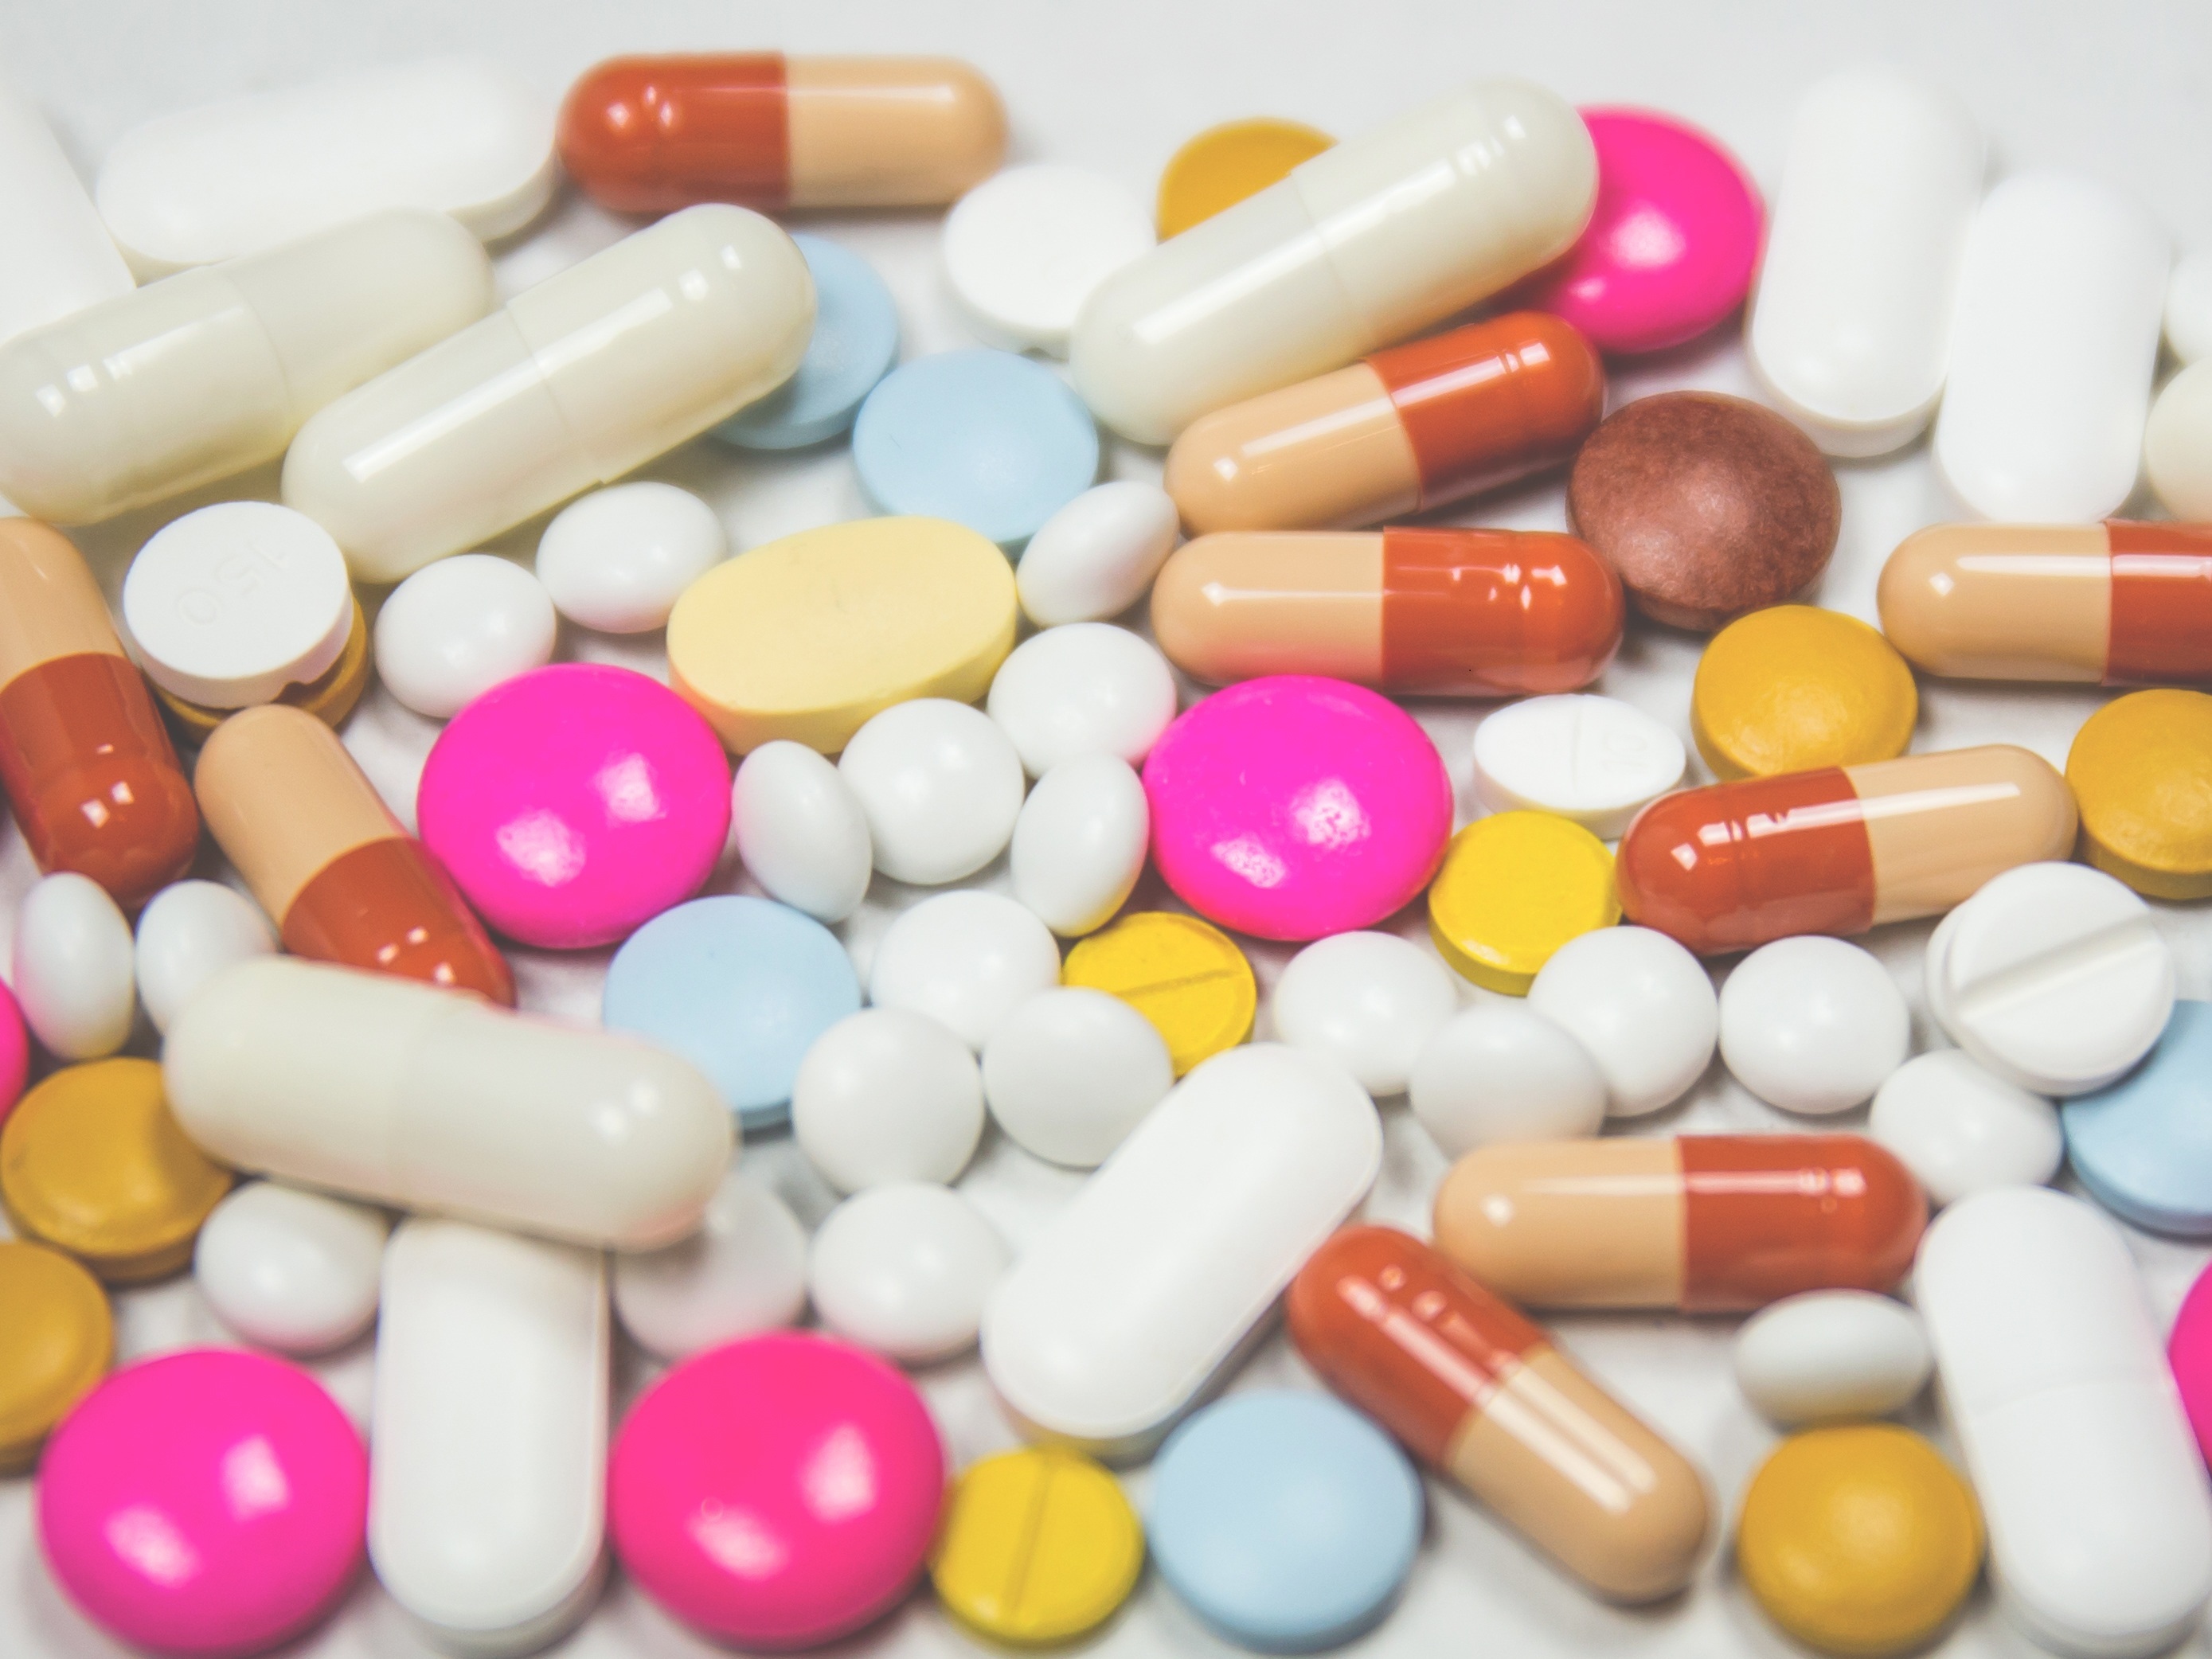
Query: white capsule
point(743, 1270)
point(1827, 1356)
point(1961, 1130)
point(290, 1269)
point(1503, 1072)
point(1071, 1071)
point(75, 968)
point(966, 960)
point(617, 559)
point(940, 785)
point(60, 259)
point(1098, 555)
point(1640, 1005)
point(905, 1271)
point(1079, 843)
point(1371, 1001)
point(884, 1096)
point(1812, 1025)
point(188, 933)
point(1594, 760)
point(801, 831)
point(456, 629)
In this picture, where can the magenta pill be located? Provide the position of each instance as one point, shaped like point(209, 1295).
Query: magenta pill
point(14, 1052)
point(1295, 806)
point(574, 804)
point(2189, 1351)
point(777, 1491)
point(210, 1502)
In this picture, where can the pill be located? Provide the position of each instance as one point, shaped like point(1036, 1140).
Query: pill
point(617, 559)
point(1859, 1539)
point(966, 960)
point(807, 636)
point(743, 1270)
point(2174, 440)
point(14, 1052)
point(1098, 555)
point(801, 831)
point(404, 1095)
point(574, 382)
point(2134, 1146)
point(1071, 1071)
point(63, 261)
point(89, 769)
point(2141, 770)
point(1025, 248)
point(456, 629)
point(74, 968)
point(2189, 305)
point(2189, 1354)
point(854, 344)
point(1285, 1522)
point(1262, 296)
point(1961, 1130)
point(1406, 430)
point(1513, 888)
point(740, 987)
point(322, 853)
point(1708, 506)
point(1841, 849)
point(1827, 1356)
point(903, 1270)
point(940, 785)
point(458, 135)
point(489, 1437)
point(290, 1269)
point(2100, 1527)
point(715, 1492)
point(1187, 979)
point(189, 932)
point(56, 1345)
point(1813, 1025)
point(1503, 1072)
point(1595, 760)
point(209, 1502)
point(1085, 689)
point(1119, 1313)
point(1369, 1001)
point(1223, 165)
point(1709, 1224)
point(1794, 687)
point(647, 135)
point(1038, 1546)
point(2055, 334)
point(211, 371)
point(887, 1095)
point(1479, 613)
point(1079, 843)
point(1640, 1005)
point(1475, 1390)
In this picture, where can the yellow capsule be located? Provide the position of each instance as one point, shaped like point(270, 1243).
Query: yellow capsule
point(1794, 688)
point(1185, 976)
point(2141, 769)
point(1514, 888)
point(328, 698)
point(1037, 1546)
point(1224, 165)
point(57, 1338)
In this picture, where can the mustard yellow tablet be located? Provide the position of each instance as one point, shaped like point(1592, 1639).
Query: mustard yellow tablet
point(57, 1338)
point(1794, 687)
point(1037, 1546)
point(2141, 769)
point(1185, 976)
point(1514, 888)
point(1224, 165)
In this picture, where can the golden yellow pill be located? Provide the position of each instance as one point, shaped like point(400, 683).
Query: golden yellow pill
point(93, 1163)
point(1514, 888)
point(1794, 687)
point(55, 1340)
point(1224, 165)
point(1037, 1546)
point(328, 698)
point(2141, 769)
point(1185, 976)
point(1859, 1539)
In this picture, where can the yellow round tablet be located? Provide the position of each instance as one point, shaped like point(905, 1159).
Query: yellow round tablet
point(2140, 768)
point(93, 1163)
point(1224, 165)
point(1794, 687)
point(1037, 1546)
point(1859, 1539)
point(330, 697)
point(57, 1338)
point(1185, 976)
point(1514, 888)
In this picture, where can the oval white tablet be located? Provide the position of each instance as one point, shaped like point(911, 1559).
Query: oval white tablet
point(1070, 1072)
point(1503, 1072)
point(966, 960)
point(74, 968)
point(290, 1269)
point(1827, 1356)
point(905, 1271)
point(1812, 1025)
point(2178, 444)
point(887, 1095)
point(1369, 1001)
point(617, 559)
point(1640, 1005)
point(743, 1270)
point(456, 629)
point(188, 933)
point(940, 786)
point(1024, 250)
point(1961, 1130)
point(2189, 305)
point(800, 830)
point(1086, 689)
point(1079, 843)
point(1592, 759)
point(1098, 555)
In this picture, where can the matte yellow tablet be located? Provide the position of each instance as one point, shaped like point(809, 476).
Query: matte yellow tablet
point(1185, 976)
point(1514, 888)
point(1224, 165)
point(57, 1338)
point(330, 698)
point(1794, 687)
point(2141, 769)
point(1037, 1546)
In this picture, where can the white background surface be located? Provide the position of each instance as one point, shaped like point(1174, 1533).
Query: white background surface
point(2118, 88)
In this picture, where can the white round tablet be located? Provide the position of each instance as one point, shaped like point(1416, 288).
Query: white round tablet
point(1641, 1005)
point(905, 1271)
point(1086, 689)
point(1961, 1130)
point(1098, 555)
point(1504, 1072)
point(800, 830)
point(188, 933)
point(616, 560)
point(1072, 1070)
point(1079, 843)
point(940, 787)
point(1024, 250)
point(75, 968)
point(1371, 1001)
point(743, 1270)
point(887, 1095)
point(456, 629)
point(2189, 305)
point(1826, 1356)
point(292, 1270)
point(229, 604)
point(1812, 1025)
point(966, 960)
point(1592, 759)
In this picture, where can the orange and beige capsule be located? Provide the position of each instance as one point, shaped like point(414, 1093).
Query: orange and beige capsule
point(325, 856)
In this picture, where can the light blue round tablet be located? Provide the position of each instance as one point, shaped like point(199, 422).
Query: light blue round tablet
point(984, 438)
point(1287, 1521)
point(2143, 1147)
point(856, 337)
point(740, 988)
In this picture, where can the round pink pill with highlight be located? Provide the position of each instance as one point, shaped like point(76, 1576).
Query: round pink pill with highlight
point(206, 1503)
point(2189, 1351)
point(574, 804)
point(1294, 806)
point(777, 1491)
point(15, 1052)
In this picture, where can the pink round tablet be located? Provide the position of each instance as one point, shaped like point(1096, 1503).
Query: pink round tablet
point(15, 1052)
point(1670, 248)
point(1295, 806)
point(776, 1491)
point(210, 1502)
point(2189, 1350)
point(574, 804)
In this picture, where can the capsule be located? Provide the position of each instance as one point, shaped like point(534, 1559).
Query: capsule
point(1405, 430)
point(1368, 242)
point(1841, 849)
point(577, 380)
point(59, 257)
point(95, 783)
point(211, 371)
point(1708, 1224)
point(1473, 613)
point(649, 135)
point(323, 854)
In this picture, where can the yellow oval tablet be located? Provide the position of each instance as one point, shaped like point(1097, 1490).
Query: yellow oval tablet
point(1224, 165)
point(2140, 768)
point(57, 1338)
point(1514, 888)
point(1185, 976)
point(1037, 1546)
point(330, 698)
point(93, 1163)
point(1794, 687)
point(1859, 1539)
point(806, 637)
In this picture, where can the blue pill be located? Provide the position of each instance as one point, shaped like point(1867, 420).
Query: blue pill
point(856, 338)
point(740, 988)
point(984, 438)
point(1287, 1521)
point(2143, 1147)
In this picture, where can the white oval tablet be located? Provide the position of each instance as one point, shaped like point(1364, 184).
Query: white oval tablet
point(617, 559)
point(1086, 689)
point(1098, 555)
point(1826, 1356)
point(965, 960)
point(940, 786)
point(800, 830)
point(290, 1269)
point(1961, 1130)
point(905, 1271)
point(1503, 1072)
point(743, 1270)
point(1079, 843)
point(887, 1095)
point(2178, 444)
point(1070, 1072)
point(2189, 305)
point(1592, 759)
point(456, 629)
point(1812, 1025)
point(1024, 250)
point(1640, 1005)
point(188, 933)
point(1371, 1001)
point(74, 968)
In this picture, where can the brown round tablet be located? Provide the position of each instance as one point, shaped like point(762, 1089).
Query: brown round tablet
point(1709, 507)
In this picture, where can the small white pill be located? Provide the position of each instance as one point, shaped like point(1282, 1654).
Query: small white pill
point(614, 560)
point(2189, 305)
point(290, 1269)
point(905, 1271)
point(1812, 1025)
point(1826, 1356)
point(1072, 1070)
point(188, 933)
point(75, 967)
point(2178, 444)
point(1086, 689)
point(940, 786)
point(456, 629)
point(800, 830)
point(1592, 759)
point(966, 960)
point(1024, 250)
point(1959, 1130)
point(743, 1270)
point(1079, 843)
point(884, 1096)
point(1098, 555)
point(1369, 1001)
point(1504, 1072)
point(1641, 1005)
